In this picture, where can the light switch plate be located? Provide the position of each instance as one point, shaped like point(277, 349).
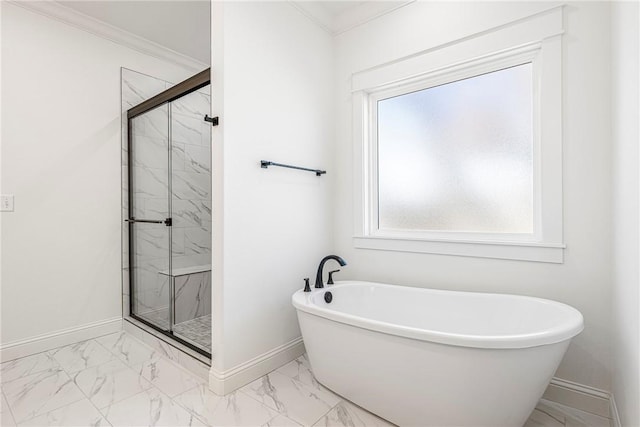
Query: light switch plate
point(6, 203)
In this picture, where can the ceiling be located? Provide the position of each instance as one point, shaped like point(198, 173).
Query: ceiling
point(337, 16)
point(180, 25)
point(184, 25)
point(335, 8)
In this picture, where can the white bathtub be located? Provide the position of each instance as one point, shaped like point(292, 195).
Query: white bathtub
point(423, 357)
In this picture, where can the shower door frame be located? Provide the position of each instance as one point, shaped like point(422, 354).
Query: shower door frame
point(181, 89)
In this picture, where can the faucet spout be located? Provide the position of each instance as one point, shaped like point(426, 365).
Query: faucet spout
point(342, 262)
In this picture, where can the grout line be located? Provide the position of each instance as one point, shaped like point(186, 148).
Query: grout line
point(326, 413)
point(129, 368)
point(304, 386)
point(24, 357)
point(177, 365)
point(572, 412)
point(153, 387)
point(33, 372)
point(109, 406)
point(72, 374)
point(253, 398)
point(56, 368)
point(563, 422)
point(94, 405)
point(279, 414)
point(73, 379)
point(119, 353)
point(198, 416)
point(277, 411)
point(8, 407)
point(105, 347)
point(54, 409)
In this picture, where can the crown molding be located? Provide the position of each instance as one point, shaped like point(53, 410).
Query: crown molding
point(350, 18)
point(366, 12)
point(316, 14)
point(54, 10)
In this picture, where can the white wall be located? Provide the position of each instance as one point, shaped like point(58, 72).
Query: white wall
point(271, 71)
point(61, 159)
point(626, 215)
point(584, 279)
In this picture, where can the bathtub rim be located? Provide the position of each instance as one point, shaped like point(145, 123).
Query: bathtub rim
point(568, 329)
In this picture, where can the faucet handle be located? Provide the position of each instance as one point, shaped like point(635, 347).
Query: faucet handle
point(307, 288)
point(330, 281)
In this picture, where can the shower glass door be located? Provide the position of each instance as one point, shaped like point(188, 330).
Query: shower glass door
point(169, 216)
point(150, 217)
point(191, 204)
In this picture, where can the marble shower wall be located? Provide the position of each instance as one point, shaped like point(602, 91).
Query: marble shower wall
point(190, 181)
point(192, 296)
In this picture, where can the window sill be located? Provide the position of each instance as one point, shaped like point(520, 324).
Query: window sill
point(522, 251)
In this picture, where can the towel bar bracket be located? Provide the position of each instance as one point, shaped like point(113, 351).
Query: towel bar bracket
point(215, 121)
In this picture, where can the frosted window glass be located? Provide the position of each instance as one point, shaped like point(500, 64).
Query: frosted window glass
point(458, 157)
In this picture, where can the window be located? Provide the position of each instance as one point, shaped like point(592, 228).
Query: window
point(453, 152)
point(458, 157)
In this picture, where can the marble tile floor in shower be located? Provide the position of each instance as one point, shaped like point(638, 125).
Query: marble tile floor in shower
point(119, 381)
point(197, 331)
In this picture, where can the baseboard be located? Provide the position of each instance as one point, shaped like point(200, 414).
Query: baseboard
point(224, 382)
point(615, 416)
point(579, 396)
point(40, 343)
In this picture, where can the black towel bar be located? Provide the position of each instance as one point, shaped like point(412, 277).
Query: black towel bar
point(266, 163)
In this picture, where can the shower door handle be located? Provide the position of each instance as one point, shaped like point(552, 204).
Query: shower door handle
point(167, 221)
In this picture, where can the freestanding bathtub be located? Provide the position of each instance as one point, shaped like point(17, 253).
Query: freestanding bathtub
point(423, 357)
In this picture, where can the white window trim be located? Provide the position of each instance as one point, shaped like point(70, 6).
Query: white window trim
point(535, 39)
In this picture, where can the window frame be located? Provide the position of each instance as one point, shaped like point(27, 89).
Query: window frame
point(535, 40)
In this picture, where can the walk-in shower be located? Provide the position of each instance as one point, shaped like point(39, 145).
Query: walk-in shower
point(168, 212)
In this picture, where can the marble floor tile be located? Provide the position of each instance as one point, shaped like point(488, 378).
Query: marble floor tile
point(149, 408)
point(540, 418)
point(80, 413)
point(135, 385)
point(234, 409)
point(168, 377)
point(299, 370)
point(568, 417)
point(40, 393)
point(82, 355)
point(17, 368)
point(6, 418)
point(126, 348)
point(281, 421)
point(109, 383)
point(346, 414)
point(301, 403)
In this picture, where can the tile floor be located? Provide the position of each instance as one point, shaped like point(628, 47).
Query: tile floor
point(197, 330)
point(117, 380)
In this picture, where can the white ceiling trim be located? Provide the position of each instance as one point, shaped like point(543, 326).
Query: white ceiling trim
point(316, 14)
point(59, 12)
point(366, 12)
point(350, 18)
